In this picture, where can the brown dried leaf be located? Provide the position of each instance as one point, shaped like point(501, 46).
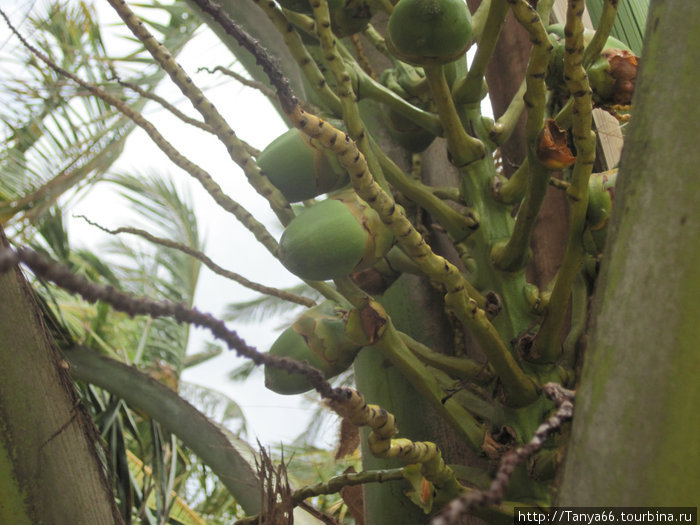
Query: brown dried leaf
point(349, 439)
point(552, 150)
point(623, 68)
point(354, 498)
point(277, 494)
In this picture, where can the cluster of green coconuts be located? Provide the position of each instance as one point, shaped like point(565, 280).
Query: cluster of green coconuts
point(341, 234)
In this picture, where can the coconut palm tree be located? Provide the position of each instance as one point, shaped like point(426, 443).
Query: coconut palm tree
point(448, 331)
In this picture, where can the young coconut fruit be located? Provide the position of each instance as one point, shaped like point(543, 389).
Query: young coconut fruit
point(407, 134)
point(300, 169)
point(409, 83)
point(429, 32)
point(334, 238)
point(318, 338)
point(601, 194)
point(612, 76)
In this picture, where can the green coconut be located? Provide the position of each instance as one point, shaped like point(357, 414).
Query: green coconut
point(300, 169)
point(407, 134)
point(427, 32)
point(318, 338)
point(601, 194)
point(334, 238)
point(612, 75)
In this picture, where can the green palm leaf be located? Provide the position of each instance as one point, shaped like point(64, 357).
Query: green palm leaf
point(630, 22)
point(266, 306)
point(56, 138)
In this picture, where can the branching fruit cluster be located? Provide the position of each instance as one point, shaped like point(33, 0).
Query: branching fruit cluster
point(367, 223)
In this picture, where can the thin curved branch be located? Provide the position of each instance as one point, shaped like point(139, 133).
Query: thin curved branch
point(134, 305)
point(201, 256)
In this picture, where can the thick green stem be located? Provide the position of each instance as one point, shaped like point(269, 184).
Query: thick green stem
point(514, 254)
point(460, 367)
point(395, 350)
point(479, 19)
point(344, 89)
point(506, 124)
point(547, 345)
point(463, 148)
point(370, 88)
point(457, 225)
point(301, 56)
point(469, 90)
point(519, 389)
point(605, 24)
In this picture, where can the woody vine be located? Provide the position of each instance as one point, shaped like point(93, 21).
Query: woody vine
point(505, 386)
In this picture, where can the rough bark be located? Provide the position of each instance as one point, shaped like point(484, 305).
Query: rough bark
point(49, 468)
point(635, 433)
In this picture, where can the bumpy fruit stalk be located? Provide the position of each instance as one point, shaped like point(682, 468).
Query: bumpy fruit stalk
point(513, 254)
point(547, 347)
point(383, 444)
point(347, 16)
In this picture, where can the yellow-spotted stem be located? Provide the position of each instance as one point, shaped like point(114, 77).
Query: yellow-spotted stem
point(518, 388)
point(344, 89)
point(547, 345)
point(211, 115)
point(383, 444)
point(513, 255)
point(301, 55)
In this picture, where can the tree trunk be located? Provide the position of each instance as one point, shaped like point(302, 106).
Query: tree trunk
point(635, 434)
point(49, 468)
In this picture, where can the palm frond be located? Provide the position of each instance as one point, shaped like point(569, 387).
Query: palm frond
point(210, 351)
point(266, 306)
point(242, 372)
point(215, 405)
point(630, 22)
point(168, 214)
point(57, 138)
point(180, 510)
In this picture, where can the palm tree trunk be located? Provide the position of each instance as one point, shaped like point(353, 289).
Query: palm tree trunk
point(635, 433)
point(49, 468)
